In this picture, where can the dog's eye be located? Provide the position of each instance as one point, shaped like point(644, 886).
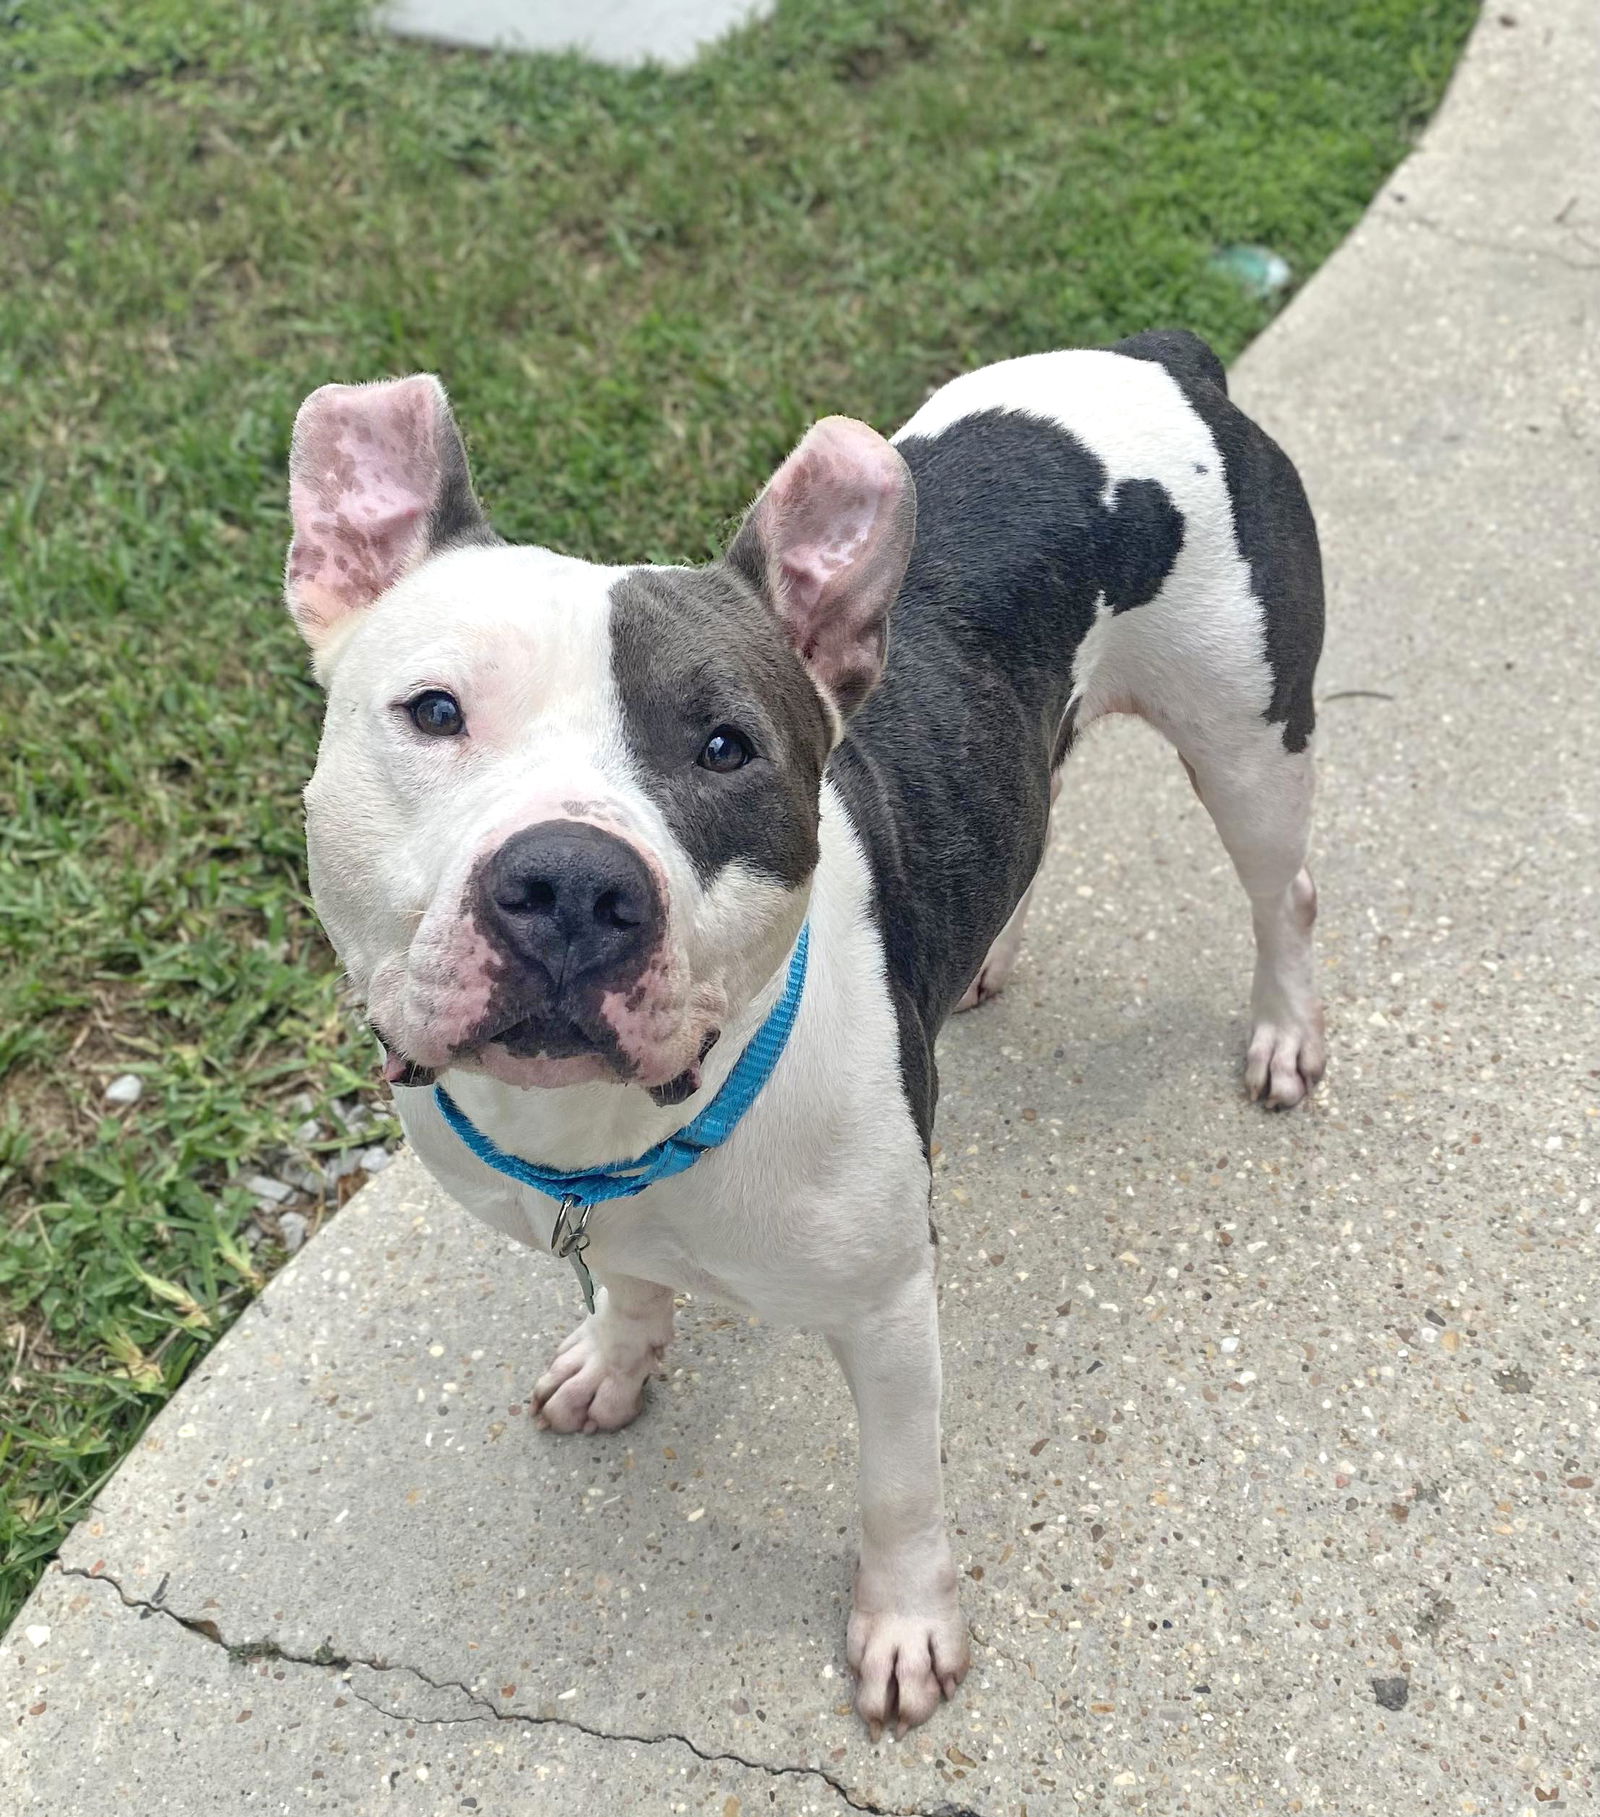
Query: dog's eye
point(437, 713)
point(725, 750)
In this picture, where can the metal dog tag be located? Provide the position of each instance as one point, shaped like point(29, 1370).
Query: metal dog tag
point(570, 1238)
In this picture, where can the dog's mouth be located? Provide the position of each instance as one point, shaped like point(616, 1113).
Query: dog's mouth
point(561, 1037)
point(687, 1083)
point(532, 1039)
point(399, 1068)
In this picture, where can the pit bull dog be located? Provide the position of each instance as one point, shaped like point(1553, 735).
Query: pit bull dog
point(657, 883)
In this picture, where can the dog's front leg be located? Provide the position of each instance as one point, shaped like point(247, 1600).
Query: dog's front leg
point(595, 1382)
point(907, 1643)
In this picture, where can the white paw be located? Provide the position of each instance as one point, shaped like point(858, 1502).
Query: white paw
point(592, 1384)
point(906, 1661)
point(1286, 1058)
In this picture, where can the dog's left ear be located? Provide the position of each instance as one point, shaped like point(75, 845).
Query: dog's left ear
point(378, 481)
point(827, 543)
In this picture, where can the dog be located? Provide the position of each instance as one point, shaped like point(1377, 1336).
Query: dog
point(657, 883)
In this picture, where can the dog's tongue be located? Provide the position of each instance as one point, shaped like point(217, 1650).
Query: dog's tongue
point(398, 1070)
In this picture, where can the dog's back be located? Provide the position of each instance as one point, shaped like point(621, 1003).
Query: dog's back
point(1097, 531)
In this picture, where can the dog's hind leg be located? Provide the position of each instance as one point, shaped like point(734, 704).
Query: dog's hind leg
point(1259, 798)
point(1002, 955)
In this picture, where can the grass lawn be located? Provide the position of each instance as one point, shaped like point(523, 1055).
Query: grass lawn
point(639, 287)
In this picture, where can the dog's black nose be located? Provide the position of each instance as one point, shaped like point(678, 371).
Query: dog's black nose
point(576, 901)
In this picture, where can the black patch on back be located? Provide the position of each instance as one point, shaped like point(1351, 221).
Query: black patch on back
point(695, 649)
point(1271, 519)
point(1141, 536)
point(946, 769)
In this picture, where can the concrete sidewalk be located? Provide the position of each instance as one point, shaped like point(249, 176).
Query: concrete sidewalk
point(1274, 1442)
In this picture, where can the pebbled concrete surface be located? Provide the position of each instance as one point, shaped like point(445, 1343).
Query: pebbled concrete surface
point(1274, 1442)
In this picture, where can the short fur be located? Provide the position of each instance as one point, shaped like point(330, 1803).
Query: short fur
point(1068, 535)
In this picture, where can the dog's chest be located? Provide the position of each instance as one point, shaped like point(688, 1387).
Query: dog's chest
point(821, 1190)
point(793, 1232)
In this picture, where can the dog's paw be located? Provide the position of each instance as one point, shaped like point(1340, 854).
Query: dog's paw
point(1286, 1058)
point(906, 1662)
point(592, 1384)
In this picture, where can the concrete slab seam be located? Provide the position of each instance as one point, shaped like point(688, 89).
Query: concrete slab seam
point(484, 1709)
point(1513, 249)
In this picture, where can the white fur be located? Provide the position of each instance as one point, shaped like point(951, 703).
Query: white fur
point(815, 1211)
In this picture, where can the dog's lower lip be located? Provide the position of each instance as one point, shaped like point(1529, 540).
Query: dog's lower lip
point(398, 1070)
point(675, 1091)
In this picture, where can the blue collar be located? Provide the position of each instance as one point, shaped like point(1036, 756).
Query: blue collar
point(584, 1188)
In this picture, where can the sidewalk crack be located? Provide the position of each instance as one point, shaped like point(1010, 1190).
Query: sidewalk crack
point(1403, 218)
point(483, 1709)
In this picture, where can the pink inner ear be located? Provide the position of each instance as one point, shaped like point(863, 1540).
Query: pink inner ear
point(807, 568)
point(836, 525)
point(364, 475)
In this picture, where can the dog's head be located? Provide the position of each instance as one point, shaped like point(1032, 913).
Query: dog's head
point(564, 817)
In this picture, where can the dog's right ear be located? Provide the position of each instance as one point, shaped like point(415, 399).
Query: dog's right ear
point(378, 480)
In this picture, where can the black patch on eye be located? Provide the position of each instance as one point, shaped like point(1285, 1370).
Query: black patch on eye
point(695, 651)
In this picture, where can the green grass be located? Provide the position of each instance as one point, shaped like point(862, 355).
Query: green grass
point(639, 287)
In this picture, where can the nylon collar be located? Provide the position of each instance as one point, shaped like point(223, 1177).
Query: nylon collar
point(581, 1189)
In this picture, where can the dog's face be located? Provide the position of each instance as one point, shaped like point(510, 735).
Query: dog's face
point(564, 817)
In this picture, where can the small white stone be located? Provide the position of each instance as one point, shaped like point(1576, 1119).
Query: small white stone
point(126, 1088)
point(375, 1159)
point(263, 1186)
point(295, 1230)
point(37, 1635)
point(1228, 1346)
point(309, 1131)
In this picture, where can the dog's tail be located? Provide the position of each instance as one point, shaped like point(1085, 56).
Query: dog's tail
point(1184, 355)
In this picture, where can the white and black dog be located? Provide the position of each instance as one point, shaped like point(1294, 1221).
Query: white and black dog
point(612, 854)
